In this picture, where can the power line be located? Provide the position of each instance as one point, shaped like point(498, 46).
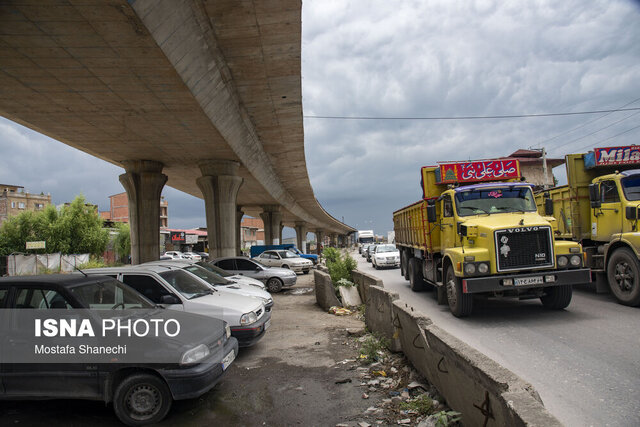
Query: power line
point(611, 137)
point(511, 116)
point(585, 124)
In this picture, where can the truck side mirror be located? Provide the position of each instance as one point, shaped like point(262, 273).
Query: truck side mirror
point(631, 212)
point(431, 212)
point(594, 195)
point(548, 207)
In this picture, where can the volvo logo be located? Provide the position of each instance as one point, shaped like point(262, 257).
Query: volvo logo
point(521, 229)
point(504, 249)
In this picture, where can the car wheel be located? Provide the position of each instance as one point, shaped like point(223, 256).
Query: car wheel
point(460, 304)
point(285, 266)
point(274, 285)
point(416, 280)
point(141, 399)
point(557, 297)
point(623, 275)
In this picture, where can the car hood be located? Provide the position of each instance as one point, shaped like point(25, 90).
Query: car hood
point(246, 280)
point(279, 271)
point(225, 302)
point(394, 253)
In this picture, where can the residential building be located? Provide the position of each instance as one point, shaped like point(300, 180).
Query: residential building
point(15, 200)
point(119, 210)
point(531, 167)
point(251, 232)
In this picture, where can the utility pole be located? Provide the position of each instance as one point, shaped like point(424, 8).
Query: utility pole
point(544, 168)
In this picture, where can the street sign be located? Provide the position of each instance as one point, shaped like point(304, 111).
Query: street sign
point(486, 170)
point(36, 245)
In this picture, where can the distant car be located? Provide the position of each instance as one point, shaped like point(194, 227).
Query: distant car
point(275, 278)
point(191, 255)
point(285, 259)
point(203, 255)
point(142, 393)
point(238, 278)
point(172, 255)
point(368, 251)
point(180, 290)
point(218, 282)
point(386, 256)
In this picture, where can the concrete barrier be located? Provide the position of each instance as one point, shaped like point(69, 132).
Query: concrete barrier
point(482, 390)
point(379, 315)
point(363, 281)
point(325, 293)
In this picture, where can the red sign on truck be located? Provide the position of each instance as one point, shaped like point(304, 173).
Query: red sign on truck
point(484, 170)
point(617, 155)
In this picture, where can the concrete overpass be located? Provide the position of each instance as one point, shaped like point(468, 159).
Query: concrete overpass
point(204, 96)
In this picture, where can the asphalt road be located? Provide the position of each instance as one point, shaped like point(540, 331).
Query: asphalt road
point(584, 361)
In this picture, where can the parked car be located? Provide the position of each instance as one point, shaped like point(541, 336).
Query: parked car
point(123, 382)
point(285, 259)
point(180, 290)
point(172, 255)
point(274, 277)
point(368, 251)
point(386, 256)
point(218, 282)
point(258, 249)
point(203, 255)
point(238, 278)
point(192, 256)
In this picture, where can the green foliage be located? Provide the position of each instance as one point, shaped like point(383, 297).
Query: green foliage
point(122, 241)
point(421, 404)
point(75, 229)
point(344, 282)
point(372, 348)
point(93, 263)
point(330, 254)
point(446, 418)
point(340, 268)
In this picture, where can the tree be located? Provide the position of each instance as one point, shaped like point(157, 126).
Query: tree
point(75, 229)
point(122, 241)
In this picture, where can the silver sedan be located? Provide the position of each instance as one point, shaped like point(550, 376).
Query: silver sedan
point(273, 277)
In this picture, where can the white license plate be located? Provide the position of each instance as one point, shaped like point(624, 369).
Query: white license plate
point(536, 280)
point(228, 359)
point(267, 324)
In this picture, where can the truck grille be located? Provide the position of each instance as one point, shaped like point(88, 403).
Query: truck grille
point(524, 247)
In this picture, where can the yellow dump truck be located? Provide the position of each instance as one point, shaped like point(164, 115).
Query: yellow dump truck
point(477, 232)
point(599, 207)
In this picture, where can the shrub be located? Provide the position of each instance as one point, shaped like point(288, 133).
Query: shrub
point(331, 255)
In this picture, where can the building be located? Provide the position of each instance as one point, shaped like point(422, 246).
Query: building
point(251, 232)
point(119, 210)
point(14, 200)
point(531, 167)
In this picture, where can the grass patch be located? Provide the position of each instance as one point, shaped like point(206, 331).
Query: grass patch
point(422, 404)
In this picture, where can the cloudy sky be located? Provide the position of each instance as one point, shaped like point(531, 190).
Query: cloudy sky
point(414, 59)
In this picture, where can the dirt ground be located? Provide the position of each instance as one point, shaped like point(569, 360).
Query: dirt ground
point(293, 376)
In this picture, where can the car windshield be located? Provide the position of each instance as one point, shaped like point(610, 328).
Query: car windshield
point(288, 254)
point(109, 294)
point(186, 284)
point(386, 248)
point(495, 200)
point(214, 268)
point(631, 187)
point(208, 276)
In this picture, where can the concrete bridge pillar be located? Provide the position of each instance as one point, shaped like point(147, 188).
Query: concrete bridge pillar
point(143, 181)
point(334, 240)
point(272, 218)
point(301, 236)
point(219, 184)
point(239, 215)
point(319, 241)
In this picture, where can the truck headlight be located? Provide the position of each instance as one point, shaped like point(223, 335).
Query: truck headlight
point(194, 355)
point(248, 318)
point(576, 260)
point(562, 261)
point(469, 268)
point(483, 268)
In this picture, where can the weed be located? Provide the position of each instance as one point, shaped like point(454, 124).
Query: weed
point(446, 418)
point(372, 347)
point(421, 404)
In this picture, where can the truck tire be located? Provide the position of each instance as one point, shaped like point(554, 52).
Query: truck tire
point(557, 297)
point(141, 399)
point(406, 265)
point(416, 280)
point(402, 263)
point(460, 304)
point(623, 274)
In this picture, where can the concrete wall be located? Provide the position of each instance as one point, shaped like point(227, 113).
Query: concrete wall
point(325, 293)
point(364, 281)
point(482, 390)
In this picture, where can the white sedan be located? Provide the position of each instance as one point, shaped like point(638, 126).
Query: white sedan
point(285, 259)
point(386, 256)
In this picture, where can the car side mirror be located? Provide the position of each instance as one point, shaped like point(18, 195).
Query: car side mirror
point(170, 299)
point(548, 206)
point(431, 212)
point(631, 212)
point(594, 195)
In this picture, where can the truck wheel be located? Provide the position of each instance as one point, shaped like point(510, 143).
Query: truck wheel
point(416, 280)
point(460, 304)
point(623, 274)
point(557, 297)
point(274, 285)
point(402, 263)
point(141, 399)
point(405, 261)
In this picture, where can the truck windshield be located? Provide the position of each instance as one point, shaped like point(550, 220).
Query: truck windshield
point(631, 187)
point(495, 200)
